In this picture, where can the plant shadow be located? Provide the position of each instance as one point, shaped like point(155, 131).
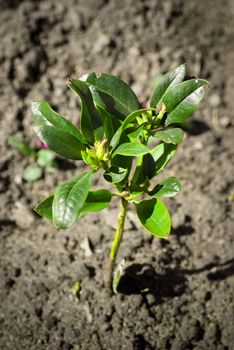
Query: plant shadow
point(142, 278)
point(196, 127)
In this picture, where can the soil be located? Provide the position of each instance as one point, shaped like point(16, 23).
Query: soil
point(176, 294)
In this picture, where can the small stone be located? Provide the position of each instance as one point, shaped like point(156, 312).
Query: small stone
point(86, 246)
point(89, 316)
point(215, 100)
point(224, 122)
point(18, 179)
point(198, 146)
point(22, 215)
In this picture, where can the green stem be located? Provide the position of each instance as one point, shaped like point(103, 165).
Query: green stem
point(108, 277)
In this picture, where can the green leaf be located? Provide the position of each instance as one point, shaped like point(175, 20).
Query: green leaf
point(131, 149)
point(157, 159)
point(112, 94)
point(32, 173)
point(166, 188)
point(162, 85)
point(45, 158)
point(61, 142)
point(96, 201)
point(137, 134)
point(110, 123)
point(69, 199)
point(154, 216)
point(43, 114)
point(44, 208)
point(130, 118)
point(162, 154)
point(89, 120)
point(170, 135)
point(182, 100)
point(115, 174)
point(17, 143)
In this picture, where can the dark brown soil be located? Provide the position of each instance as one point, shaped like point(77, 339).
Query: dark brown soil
point(176, 294)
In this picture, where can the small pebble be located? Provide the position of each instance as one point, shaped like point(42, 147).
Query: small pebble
point(22, 215)
point(224, 122)
point(215, 100)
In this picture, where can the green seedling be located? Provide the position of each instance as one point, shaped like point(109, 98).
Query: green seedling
point(42, 159)
point(128, 144)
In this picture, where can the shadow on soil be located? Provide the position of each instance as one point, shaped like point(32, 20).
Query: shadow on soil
point(142, 278)
point(196, 127)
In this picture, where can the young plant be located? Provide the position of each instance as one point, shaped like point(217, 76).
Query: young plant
point(128, 144)
point(42, 159)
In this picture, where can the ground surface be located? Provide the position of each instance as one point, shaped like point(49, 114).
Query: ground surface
point(190, 278)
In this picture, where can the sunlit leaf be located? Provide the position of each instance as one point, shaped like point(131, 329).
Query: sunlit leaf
point(170, 135)
point(115, 174)
point(112, 94)
point(131, 149)
point(183, 99)
point(166, 188)
point(162, 85)
point(43, 114)
point(154, 216)
point(61, 142)
point(69, 199)
point(130, 118)
point(44, 208)
point(89, 120)
point(96, 201)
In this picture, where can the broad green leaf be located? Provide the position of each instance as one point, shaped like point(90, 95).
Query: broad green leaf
point(166, 188)
point(43, 114)
point(170, 135)
point(162, 85)
point(110, 123)
point(154, 216)
point(61, 142)
point(176, 94)
point(182, 100)
point(89, 120)
point(157, 159)
point(32, 173)
point(130, 118)
point(69, 199)
point(96, 201)
point(131, 149)
point(186, 107)
point(155, 81)
point(17, 143)
point(122, 162)
point(137, 134)
point(162, 155)
point(115, 174)
point(112, 94)
point(44, 208)
point(45, 158)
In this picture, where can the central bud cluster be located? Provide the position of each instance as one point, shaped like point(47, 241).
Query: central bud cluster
point(97, 156)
